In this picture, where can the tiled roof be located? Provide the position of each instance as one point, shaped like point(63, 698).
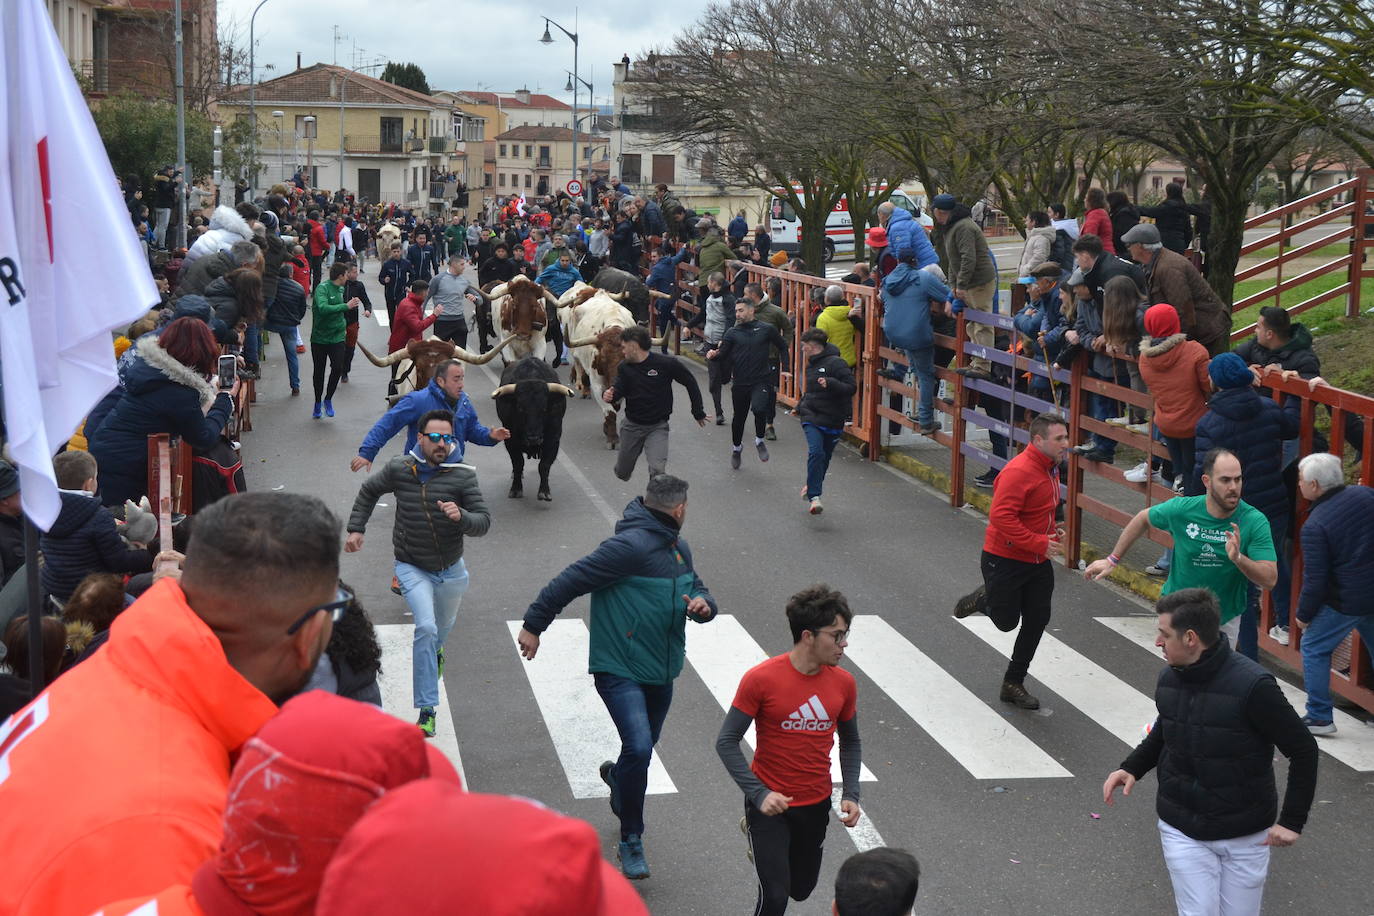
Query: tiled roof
point(509, 100)
point(540, 132)
point(310, 85)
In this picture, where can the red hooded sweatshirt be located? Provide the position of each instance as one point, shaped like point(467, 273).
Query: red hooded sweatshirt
point(1024, 497)
point(408, 325)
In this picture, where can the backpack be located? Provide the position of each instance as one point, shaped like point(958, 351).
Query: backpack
point(1061, 249)
point(216, 472)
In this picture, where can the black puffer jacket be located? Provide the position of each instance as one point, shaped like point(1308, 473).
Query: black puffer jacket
point(422, 534)
point(1220, 719)
point(1253, 427)
point(289, 306)
point(82, 541)
point(222, 298)
point(828, 406)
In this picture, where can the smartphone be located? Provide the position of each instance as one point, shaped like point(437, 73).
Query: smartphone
point(228, 368)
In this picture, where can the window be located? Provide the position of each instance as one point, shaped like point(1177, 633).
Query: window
point(586, 152)
point(665, 166)
point(503, 151)
point(708, 166)
point(477, 128)
point(629, 168)
point(527, 181)
point(514, 180)
point(500, 179)
point(486, 180)
point(392, 128)
point(783, 210)
point(544, 157)
point(1157, 182)
point(529, 151)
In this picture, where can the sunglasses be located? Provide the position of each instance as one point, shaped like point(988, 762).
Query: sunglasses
point(441, 437)
point(342, 598)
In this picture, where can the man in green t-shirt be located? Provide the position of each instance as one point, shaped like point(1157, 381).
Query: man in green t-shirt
point(1220, 543)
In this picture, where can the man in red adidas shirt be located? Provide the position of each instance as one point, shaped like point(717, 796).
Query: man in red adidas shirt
point(798, 702)
point(1018, 580)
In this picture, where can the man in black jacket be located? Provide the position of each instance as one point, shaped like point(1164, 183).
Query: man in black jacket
point(422, 259)
point(645, 383)
point(747, 346)
point(1220, 718)
point(437, 504)
point(822, 409)
point(353, 290)
point(284, 315)
point(395, 277)
point(495, 270)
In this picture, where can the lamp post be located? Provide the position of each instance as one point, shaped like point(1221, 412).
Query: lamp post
point(548, 39)
point(309, 122)
point(252, 99)
point(279, 117)
point(590, 116)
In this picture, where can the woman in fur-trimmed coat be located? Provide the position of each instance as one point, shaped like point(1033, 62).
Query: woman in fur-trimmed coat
point(165, 391)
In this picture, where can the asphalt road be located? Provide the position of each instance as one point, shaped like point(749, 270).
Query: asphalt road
point(933, 729)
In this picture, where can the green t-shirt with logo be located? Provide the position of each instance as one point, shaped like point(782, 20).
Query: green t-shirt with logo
point(1200, 559)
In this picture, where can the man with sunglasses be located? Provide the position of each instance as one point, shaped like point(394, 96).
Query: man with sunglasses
point(437, 504)
point(798, 702)
point(190, 672)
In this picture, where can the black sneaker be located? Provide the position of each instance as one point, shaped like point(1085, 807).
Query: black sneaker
point(763, 451)
point(1097, 456)
point(734, 459)
point(971, 603)
point(1016, 695)
point(928, 429)
point(982, 375)
point(720, 419)
point(1319, 728)
point(608, 777)
point(984, 481)
point(770, 434)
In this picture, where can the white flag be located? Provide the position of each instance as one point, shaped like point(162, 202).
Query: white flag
point(520, 204)
point(70, 267)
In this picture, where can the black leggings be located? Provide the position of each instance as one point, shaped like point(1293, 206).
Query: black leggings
point(748, 399)
point(554, 335)
point(335, 354)
point(452, 331)
point(1018, 592)
point(787, 853)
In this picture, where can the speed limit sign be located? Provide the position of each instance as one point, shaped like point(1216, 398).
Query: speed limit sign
point(574, 188)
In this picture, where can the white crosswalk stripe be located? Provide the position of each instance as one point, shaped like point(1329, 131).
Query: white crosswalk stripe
point(1111, 702)
point(1353, 743)
point(398, 697)
point(582, 730)
point(972, 733)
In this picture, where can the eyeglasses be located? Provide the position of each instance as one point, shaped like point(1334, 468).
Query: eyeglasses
point(441, 437)
point(841, 637)
point(342, 598)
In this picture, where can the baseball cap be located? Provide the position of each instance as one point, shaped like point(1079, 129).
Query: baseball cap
point(502, 856)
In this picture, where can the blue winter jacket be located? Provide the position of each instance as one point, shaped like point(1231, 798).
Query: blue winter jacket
point(637, 579)
point(663, 275)
point(1338, 554)
point(556, 279)
point(1253, 428)
point(908, 240)
point(84, 540)
point(907, 292)
point(408, 411)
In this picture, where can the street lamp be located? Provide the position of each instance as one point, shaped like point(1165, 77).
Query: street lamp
point(309, 127)
point(591, 116)
point(252, 99)
point(548, 39)
point(279, 116)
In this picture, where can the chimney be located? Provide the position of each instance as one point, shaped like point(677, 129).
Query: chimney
point(298, 60)
point(523, 96)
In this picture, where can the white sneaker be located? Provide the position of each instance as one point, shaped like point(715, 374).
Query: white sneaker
point(816, 507)
point(1279, 635)
point(1118, 421)
point(1139, 474)
point(1142, 428)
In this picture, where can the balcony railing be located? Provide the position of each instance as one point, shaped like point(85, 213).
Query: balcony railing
point(440, 145)
point(363, 144)
point(415, 145)
point(543, 162)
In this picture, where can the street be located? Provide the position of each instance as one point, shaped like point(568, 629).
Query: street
point(1002, 807)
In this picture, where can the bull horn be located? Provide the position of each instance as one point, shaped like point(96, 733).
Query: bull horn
point(555, 388)
point(551, 297)
point(498, 291)
point(504, 389)
point(465, 356)
point(619, 297)
point(658, 341)
point(391, 358)
point(581, 342)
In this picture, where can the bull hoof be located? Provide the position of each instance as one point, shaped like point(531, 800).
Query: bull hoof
point(545, 496)
point(516, 493)
point(586, 395)
point(612, 445)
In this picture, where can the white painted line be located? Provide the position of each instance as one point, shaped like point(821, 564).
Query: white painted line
point(721, 652)
point(1353, 743)
point(864, 834)
point(975, 735)
point(1102, 696)
point(398, 695)
point(582, 730)
point(381, 317)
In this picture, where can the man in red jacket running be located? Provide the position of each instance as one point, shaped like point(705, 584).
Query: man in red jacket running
point(1018, 580)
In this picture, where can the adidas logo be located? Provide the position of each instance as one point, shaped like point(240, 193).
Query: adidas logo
point(809, 717)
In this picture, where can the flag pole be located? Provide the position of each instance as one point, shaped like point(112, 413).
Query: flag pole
point(34, 600)
point(181, 126)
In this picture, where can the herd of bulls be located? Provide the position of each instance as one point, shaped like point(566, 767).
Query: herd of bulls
point(531, 399)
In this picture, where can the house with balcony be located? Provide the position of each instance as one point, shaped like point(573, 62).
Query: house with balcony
point(475, 127)
point(347, 129)
point(129, 45)
point(539, 160)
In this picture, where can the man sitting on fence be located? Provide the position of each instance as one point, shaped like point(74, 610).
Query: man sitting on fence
point(972, 274)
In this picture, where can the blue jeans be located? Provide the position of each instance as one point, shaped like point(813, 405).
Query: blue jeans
point(434, 599)
point(820, 446)
point(288, 344)
point(1248, 643)
point(922, 363)
point(1104, 408)
point(1319, 640)
point(638, 711)
point(252, 337)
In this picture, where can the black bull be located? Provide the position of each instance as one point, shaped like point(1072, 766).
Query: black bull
point(531, 403)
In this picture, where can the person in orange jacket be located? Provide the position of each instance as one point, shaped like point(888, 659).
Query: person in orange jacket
point(112, 781)
point(300, 784)
point(1018, 580)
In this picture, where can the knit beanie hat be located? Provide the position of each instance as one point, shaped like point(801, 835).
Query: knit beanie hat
point(1229, 371)
point(1161, 320)
point(778, 258)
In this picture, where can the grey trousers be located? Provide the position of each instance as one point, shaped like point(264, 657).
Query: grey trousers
point(651, 439)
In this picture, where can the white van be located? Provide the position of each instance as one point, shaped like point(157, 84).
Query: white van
point(839, 234)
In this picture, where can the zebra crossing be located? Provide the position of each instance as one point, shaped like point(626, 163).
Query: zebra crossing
point(976, 734)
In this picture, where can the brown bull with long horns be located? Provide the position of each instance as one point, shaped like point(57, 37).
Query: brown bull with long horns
point(424, 356)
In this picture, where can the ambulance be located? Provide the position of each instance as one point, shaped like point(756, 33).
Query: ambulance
point(839, 234)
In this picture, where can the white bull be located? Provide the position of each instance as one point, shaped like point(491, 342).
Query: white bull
point(593, 335)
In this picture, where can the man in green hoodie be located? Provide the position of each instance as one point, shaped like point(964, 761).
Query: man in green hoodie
point(643, 589)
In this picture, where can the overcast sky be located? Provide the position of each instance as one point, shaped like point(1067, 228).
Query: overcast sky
point(462, 45)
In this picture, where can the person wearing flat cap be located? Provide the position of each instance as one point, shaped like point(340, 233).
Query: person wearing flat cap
point(1170, 277)
point(11, 523)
